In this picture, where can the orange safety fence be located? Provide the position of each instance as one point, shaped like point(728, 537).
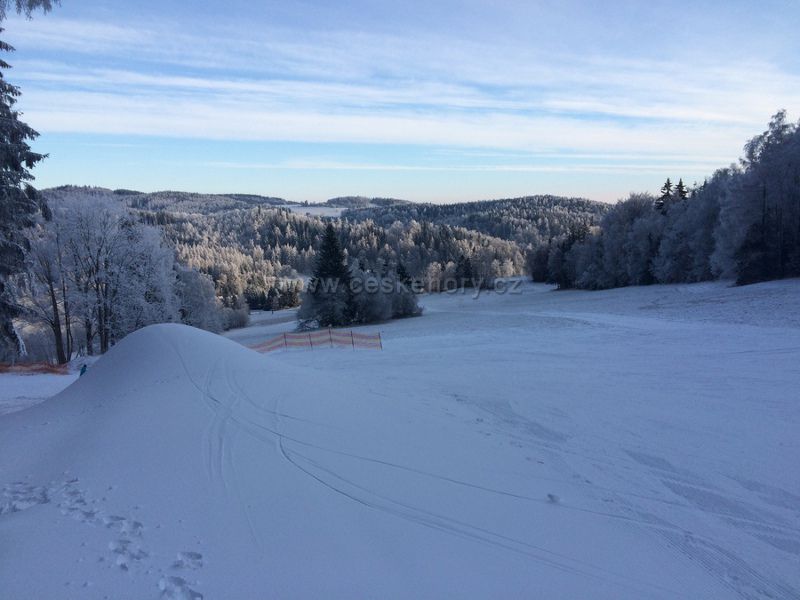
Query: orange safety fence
point(322, 338)
point(31, 368)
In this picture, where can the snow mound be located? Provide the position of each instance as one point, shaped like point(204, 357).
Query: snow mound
point(150, 355)
point(133, 455)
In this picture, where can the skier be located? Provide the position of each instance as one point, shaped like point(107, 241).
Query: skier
point(83, 370)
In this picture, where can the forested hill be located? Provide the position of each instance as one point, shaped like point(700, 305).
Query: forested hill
point(178, 202)
point(256, 246)
point(531, 220)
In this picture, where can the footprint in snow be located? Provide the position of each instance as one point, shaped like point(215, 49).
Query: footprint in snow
point(188, 560)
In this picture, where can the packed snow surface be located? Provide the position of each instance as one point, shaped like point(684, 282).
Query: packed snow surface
point(637, 443)
point(21, 390)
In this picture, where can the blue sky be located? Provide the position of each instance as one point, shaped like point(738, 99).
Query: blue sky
point(429, 101)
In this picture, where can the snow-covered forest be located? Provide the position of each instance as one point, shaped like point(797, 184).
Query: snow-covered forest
point(742, 223)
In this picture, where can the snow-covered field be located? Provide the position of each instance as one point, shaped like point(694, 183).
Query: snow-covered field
point(20, 391)
point(315, 210)
point(638, 443)
point(264, 324)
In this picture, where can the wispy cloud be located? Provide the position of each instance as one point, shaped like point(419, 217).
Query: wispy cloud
point(561, 110)
point(688, 168)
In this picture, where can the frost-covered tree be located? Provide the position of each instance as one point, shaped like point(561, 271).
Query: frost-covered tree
point(143, 281)
point(48, 294)
point(19, 203)
point(687, 242)
point(372, 300)
point(743, 223)
point(198, 300)
point(769, 204)
point(95, 272)
point(122, 275)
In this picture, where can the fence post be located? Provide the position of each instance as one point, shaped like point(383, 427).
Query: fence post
point(380, 340)
point(352, 339)
point(310, 343)
point(330, 337)
point(284, 340)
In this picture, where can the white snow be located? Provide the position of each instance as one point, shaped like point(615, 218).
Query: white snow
point(20, 391)
point(637, 443)
point(263, 325)
point(316, 210)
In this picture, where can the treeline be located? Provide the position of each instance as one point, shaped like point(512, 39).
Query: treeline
point(742, 224)
point(528, 221)
point(181, 202)
point(254, 253)
point(258, 256)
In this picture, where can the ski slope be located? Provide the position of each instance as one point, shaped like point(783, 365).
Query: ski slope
point(637, 443)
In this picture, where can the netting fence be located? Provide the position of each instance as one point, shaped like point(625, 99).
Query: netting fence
point(323, 338)
point(34, 368)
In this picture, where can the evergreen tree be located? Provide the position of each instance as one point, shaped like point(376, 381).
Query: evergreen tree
point(681, 192)
point(19, 203)
point(273, 299)
point(402, 275)
point(329, 298)
point(666, 195)
point(290, 295)
point(25, 7)
point(464, 272)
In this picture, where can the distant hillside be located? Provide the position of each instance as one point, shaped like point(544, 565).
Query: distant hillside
point(531, 220)
point(169, 201)
point(252, 245)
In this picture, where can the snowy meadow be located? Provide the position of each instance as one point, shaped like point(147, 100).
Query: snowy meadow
point(630, 443)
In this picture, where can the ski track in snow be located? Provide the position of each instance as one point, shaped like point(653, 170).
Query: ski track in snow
point(723, 564)
point(225, 412)
point(693, 506)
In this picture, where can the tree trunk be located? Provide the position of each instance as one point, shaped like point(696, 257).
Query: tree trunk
point(55, 325)
point(102, 331)
point(87, 324)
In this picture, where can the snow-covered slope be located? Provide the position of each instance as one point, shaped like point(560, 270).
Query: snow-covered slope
point(635, 443)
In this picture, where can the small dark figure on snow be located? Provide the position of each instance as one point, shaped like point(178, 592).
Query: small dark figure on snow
point(83, 370)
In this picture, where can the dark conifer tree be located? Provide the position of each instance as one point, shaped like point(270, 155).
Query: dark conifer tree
point(272, 301)
point(19, 202)
point(329, 300)
point(464, 271)
point(402, 274)
point(666, 195)
point(681, 192)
